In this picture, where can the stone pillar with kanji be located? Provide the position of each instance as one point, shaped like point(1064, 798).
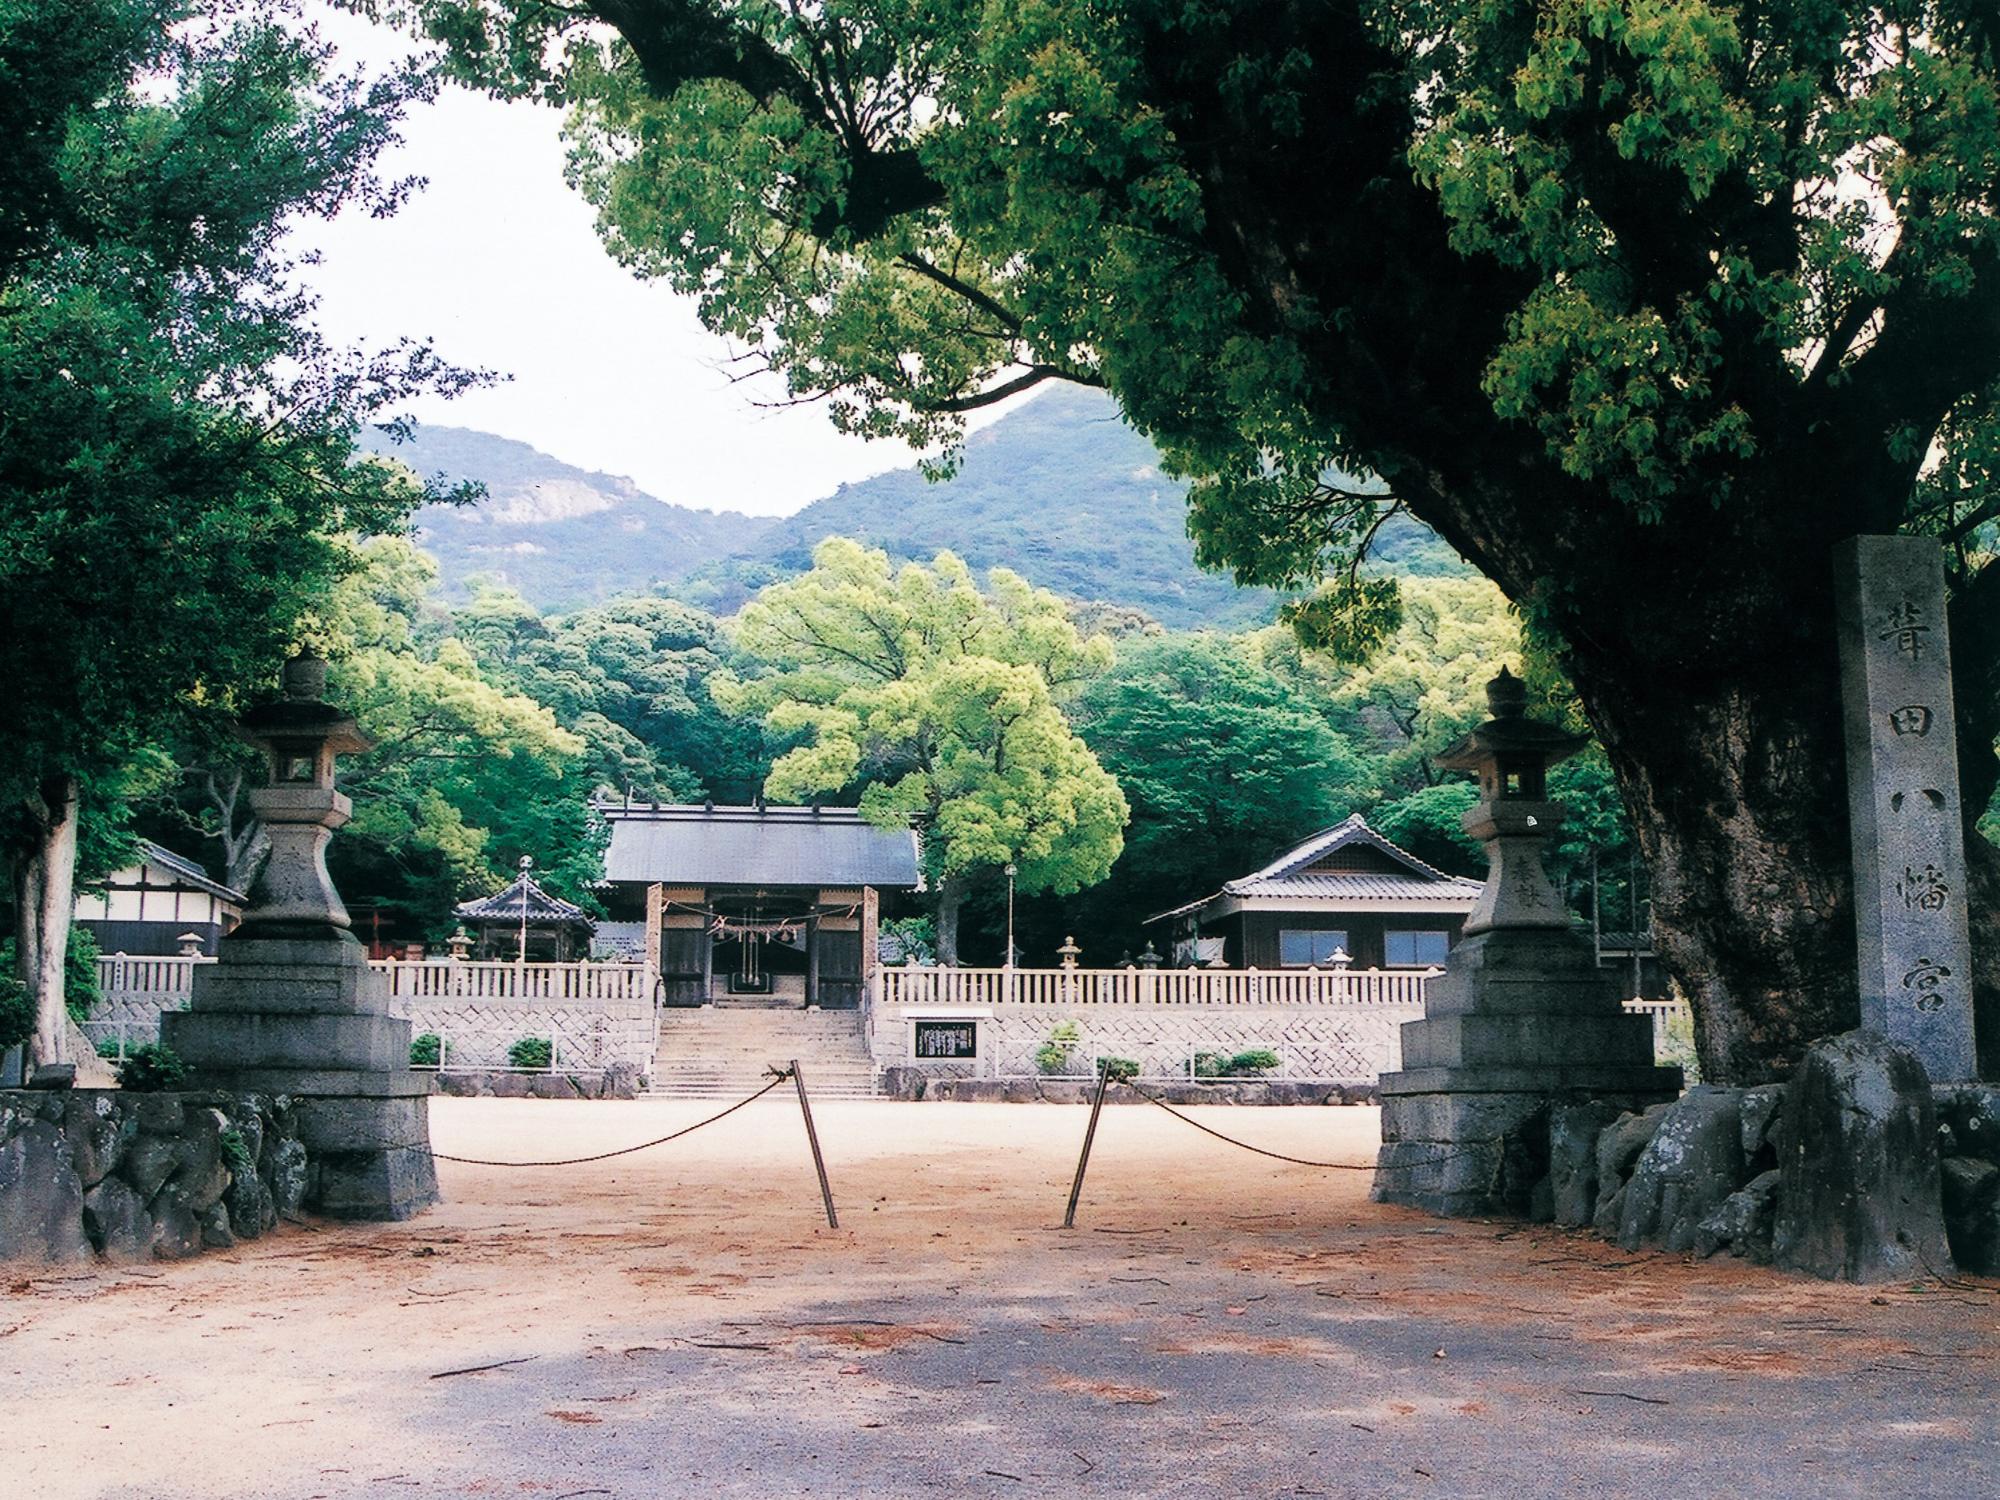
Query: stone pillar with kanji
point(1522, 1019)
point(291, 1006)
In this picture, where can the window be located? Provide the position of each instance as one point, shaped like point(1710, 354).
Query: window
point(1298, 947)
point(1411, 949)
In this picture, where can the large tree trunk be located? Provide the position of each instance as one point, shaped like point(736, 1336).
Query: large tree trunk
point(44, 888)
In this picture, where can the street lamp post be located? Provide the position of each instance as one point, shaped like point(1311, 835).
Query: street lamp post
point(1009, 964)
point(521, 952)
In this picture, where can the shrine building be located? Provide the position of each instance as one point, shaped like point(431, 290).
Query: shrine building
point(759, 905)
point(1344, 896)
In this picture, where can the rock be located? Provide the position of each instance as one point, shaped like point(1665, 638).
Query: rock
point(1760, 1114)
point(215, 1230)
point(1610, 1209)
point(1972, 1113)
point(621, 1081)
point(176, 1230)
point(149, 1161)
point(202, 1176)
point(1972, 1212)
point(290, 1179)
point(1618, 1149)
point(98, 1132)
point(512, 1085)
point(1743, 1223)
point(1574, 1130)
point(159, 1114)
point(115, 1218)
point(1692, 1164)
point(249, 1206)
point(1860, 1198)
point(41, 1197)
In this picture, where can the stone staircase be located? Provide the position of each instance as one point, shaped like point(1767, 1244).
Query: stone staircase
point(723, 1052)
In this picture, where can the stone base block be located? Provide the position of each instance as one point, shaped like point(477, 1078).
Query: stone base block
point(371, 1157)
point(1466, 1142)
point(1482, 1038)
point(1515, 971)
point(290, 975)
point(239, 1041)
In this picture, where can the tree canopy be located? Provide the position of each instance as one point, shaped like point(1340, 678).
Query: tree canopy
point(1641, 304)
point(938, 703)
point(175, 471)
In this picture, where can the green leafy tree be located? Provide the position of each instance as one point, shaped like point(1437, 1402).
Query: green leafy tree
point(465, 776)
point(1642, 305)
point(1223, 764)
point(630, 678)
point(939, 703)
point(175, 467)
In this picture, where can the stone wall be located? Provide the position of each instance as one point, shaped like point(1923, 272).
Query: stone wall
point(1324, 1043)
point(125, 1176)
point(589, 1035)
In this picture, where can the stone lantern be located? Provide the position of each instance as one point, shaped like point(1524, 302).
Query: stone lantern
point(189, 944)
point(460, 943)
point(291, 1005)
point(1069, 953)
point(1522, 1022)
point(1511, 755)
point(293, 895)
point(1150, 958)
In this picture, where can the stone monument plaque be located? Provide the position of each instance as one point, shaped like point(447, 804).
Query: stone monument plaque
point(1903, 800)
point(942, 1040)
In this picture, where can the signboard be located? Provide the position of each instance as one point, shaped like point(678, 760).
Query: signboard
point(945, 1041)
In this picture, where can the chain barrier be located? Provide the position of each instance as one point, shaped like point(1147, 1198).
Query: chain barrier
point(780, 1076)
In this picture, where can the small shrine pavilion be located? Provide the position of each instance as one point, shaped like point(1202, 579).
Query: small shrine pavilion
point(525, 921)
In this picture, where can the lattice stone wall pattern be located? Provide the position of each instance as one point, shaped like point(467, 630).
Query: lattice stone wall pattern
point(592, 1036)
point(1341, 1044)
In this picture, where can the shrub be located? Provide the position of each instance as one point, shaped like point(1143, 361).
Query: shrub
point(1053, 1055)
point(152, 1068)
point(1118, 1069)
point(17, 1012)
point(531, 1052)
point(80, 991)
point(427, 1050)
point(236, 1154)
point(108, 1047)
point(1256, 1060)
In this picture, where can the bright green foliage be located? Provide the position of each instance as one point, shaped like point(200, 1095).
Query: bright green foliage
point(1053, 1056)
point(175, 463)
point(937, 702)
point(531, 1052)
point(464, 777)
point(1427, 823)
point(426, 1050)
point(630, 678)
point(1426, 686)
point(1224, 764)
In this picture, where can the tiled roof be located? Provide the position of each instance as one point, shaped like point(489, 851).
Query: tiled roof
point(507, 906)
point(1290, 876)
point(188, 872)
point(757, 846)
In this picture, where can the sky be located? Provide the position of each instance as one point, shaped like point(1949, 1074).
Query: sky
point(497, 260)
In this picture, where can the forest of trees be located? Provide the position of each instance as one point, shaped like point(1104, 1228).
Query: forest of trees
point(1120, 766)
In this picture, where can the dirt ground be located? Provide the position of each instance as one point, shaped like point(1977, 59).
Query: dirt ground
point(682, 1322)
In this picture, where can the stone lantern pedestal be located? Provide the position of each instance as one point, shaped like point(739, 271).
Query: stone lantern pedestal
point(1522, 1019)
point(291, 1006)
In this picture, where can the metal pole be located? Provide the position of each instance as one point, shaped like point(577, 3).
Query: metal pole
point(812, 1138)
point(1089, 1135)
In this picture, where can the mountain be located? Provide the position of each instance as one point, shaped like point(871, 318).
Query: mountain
point(1060, 490)
point(559, 535)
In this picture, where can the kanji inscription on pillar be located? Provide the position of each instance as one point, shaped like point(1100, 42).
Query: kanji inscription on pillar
point(1903, 799)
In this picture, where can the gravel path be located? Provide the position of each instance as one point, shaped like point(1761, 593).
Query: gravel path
point(683, 1323)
